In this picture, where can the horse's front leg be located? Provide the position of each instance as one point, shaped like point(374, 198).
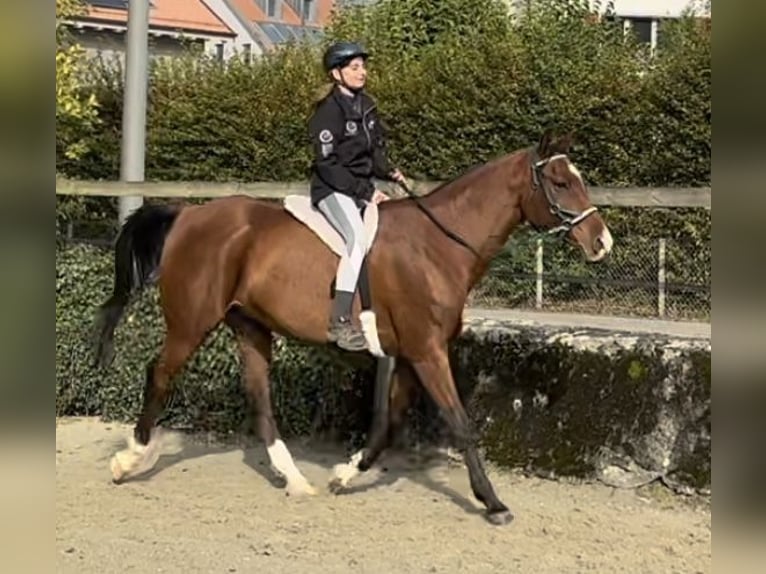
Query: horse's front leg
point(436, 376)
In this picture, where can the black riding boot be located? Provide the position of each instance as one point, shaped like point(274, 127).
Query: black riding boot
point(342, 331)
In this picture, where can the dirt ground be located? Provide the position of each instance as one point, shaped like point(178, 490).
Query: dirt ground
point(214, 507)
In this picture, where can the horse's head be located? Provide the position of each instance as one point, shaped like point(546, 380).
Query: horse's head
point(558, 200)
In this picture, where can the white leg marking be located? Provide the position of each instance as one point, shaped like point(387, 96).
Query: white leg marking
point(369, 325)
point(345, 473)
point(282, 461)
point(137, 458)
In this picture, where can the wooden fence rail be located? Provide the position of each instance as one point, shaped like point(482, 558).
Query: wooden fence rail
point(605, 196)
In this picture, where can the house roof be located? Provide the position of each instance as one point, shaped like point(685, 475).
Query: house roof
point(289, 25)
point(186, 15)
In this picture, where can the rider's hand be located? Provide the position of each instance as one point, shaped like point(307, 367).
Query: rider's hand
point(397, 176)
point(379, 196)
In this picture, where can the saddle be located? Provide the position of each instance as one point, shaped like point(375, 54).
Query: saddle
point(301, 208)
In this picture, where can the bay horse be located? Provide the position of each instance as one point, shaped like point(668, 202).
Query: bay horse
point(253, 266)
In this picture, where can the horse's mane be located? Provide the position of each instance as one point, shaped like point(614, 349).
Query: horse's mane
point(476, 170)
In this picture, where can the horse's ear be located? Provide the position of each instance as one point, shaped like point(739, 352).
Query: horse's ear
point(544, 145)
point(563, 144)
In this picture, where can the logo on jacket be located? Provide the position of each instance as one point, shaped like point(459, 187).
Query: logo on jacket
point(325, 136)
point(351, 128)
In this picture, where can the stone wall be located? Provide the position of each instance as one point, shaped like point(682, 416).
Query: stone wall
point(624, 408)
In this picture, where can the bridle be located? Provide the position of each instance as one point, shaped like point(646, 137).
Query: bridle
point(569, 218)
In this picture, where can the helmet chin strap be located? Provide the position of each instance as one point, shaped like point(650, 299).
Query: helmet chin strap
point(343, 83)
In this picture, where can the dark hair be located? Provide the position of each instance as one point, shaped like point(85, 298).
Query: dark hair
point(323, 92)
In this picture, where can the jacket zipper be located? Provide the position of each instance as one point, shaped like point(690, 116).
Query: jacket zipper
point(364, 125)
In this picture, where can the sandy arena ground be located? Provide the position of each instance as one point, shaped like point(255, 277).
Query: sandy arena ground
point(215, 507)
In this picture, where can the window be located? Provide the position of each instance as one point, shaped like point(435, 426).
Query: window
point(271, 8)
point(642, 29)
point(247, 53)
point(308, 11)
point(114, 4)
point(219, 52)
point(304, 9)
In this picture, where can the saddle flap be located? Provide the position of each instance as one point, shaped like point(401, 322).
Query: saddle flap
point(301, 208)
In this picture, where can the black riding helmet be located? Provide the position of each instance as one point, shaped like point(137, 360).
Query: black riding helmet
point(340, 53)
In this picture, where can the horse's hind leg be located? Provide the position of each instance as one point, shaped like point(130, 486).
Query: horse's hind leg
point(144, 446)
point(255, 349)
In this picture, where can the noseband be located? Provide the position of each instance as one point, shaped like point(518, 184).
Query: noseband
point(569, 219)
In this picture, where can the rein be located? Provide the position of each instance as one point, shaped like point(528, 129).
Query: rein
point(416, 198)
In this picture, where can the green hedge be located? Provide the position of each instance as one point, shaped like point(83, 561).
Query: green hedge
point(458, 82)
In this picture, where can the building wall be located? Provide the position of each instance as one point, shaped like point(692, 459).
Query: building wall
point(244, 42)
point(174, 25)
point(111, 43)
point(637, 8)
point(644, 17)
point(657, 8)
point(641, 17)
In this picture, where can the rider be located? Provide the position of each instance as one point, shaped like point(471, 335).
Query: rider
point(349, 150)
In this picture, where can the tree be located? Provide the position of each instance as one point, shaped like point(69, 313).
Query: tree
point(76, 109)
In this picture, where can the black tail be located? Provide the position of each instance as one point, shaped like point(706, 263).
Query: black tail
point(137, 255)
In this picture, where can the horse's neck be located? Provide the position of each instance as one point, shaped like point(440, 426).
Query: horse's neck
point(483, 211)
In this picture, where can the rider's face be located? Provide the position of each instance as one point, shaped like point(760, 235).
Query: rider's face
point(354, 74)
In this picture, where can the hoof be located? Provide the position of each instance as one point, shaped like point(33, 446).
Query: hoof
point(336, 485)
point(136, 459)
point(500, 517)
point(116, 469)
point(343, 474)
point(297, 490)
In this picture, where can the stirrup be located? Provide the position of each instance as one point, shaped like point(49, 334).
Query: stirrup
point(344, 334)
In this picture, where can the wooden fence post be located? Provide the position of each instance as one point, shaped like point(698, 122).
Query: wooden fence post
point(539, 271)
point(661, 278)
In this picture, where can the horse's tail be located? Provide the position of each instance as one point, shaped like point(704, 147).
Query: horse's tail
point(137, 255)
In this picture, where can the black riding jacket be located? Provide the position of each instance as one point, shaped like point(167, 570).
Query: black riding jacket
point(349, 147)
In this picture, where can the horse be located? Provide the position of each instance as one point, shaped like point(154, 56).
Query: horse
point(251, 265)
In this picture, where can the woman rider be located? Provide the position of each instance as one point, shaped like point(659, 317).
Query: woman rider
point(349, 150)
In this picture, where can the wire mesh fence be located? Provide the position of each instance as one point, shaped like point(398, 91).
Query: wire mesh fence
point(644, 277)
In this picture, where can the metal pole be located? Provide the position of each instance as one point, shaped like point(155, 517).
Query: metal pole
point(661, 279)
point(539, 271)
point(134, 102)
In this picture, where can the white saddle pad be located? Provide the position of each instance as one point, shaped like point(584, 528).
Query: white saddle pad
point(300, 207)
